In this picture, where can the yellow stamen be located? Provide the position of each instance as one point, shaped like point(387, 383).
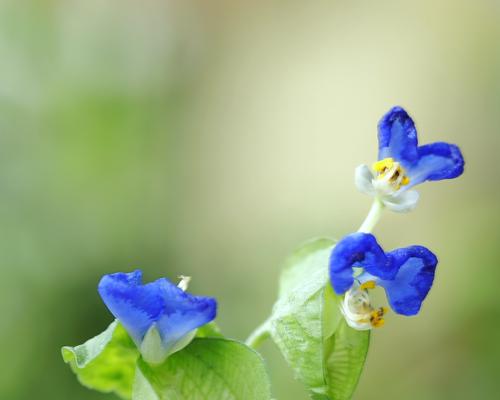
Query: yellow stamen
point(377, 317)
point(382, 165)
point(368, 285)
point(379, 323)
point(392, 171)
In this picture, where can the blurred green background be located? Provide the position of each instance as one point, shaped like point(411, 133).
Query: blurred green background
point(210, 138)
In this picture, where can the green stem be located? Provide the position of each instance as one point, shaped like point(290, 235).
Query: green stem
point(259, 335)
point(372, 217)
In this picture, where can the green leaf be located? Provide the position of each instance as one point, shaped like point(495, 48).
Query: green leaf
point(106, 362)
point(209, 330)
point(309, 329)
point(209, 369)
point(311, 257)
point(142, 388)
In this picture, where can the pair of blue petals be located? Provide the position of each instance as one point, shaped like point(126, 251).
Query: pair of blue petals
point(397, 138)
point(138, 307)
point(406, 274)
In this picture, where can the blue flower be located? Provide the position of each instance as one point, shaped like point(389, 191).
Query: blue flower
point(160, 317)
point(358, 263)
point(403, 164)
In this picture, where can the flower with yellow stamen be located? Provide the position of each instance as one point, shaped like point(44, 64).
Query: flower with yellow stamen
point(403, 164)
point(358, 264)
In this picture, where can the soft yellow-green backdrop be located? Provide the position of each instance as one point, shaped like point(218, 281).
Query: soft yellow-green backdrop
point(210, 138)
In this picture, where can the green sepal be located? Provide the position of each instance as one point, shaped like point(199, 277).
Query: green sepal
point(309, 329)
point(106, 362)
point(208, 369)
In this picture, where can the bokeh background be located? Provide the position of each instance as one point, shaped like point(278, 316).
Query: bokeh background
point(210, 138)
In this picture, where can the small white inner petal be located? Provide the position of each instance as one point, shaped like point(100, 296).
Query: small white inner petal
point(151, 348)
point(402, 202)
point(357, 308)
point(383, 186)
point(363, 179)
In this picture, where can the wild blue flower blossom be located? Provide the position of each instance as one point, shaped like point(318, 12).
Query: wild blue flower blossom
point(403, 164)
point(358, 263)
point(159, 316)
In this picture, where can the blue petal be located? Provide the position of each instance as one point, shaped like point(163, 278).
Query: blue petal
point(397, 137)
point(138, 306)
point(357, 250)
point(183, 312)
point(416, 267)
point(436, 161)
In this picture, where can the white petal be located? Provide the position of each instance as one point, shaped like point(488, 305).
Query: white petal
point(151, 348)
point(363, 179)
point(154, 351)
point(402, 202)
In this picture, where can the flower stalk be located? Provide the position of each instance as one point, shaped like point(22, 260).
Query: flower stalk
point(259, 335)
point(373, 216)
